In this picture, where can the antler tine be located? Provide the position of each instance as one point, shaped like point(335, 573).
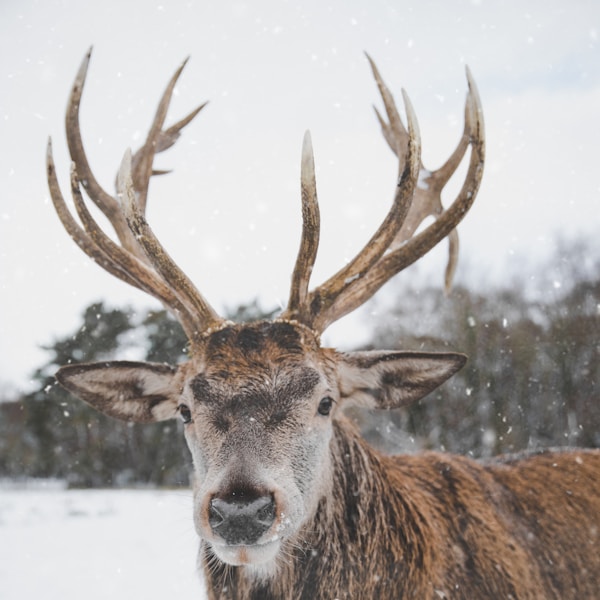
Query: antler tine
point(415, 247)
point(158, 141)
point(77, 233)
point(394, 132)
point(428, 202)
point(310, 231)
point(204, 315)
point(104, 201)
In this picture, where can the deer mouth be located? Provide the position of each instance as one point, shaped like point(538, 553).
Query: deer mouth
point(247, 554)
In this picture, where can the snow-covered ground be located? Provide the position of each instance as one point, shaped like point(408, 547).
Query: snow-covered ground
point(59, 544)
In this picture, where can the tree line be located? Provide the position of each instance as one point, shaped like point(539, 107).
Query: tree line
point(532, 379)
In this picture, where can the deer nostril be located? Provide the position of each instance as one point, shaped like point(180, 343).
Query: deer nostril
point(266, 513)
point(241, 520)
point(215, 518)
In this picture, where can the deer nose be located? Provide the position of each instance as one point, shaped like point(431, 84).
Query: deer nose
point(239, 519)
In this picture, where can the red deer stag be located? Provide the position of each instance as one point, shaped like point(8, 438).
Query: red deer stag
point(289, 501)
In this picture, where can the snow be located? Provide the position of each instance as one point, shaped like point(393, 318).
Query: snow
point(62, 544)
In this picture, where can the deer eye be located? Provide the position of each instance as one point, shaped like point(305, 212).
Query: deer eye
point(185, 413)
point(325, 406)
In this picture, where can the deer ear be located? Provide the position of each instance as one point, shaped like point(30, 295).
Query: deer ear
point(394, 379)
point(129, 391)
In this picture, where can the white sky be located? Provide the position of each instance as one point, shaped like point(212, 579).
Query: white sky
point(230, 212)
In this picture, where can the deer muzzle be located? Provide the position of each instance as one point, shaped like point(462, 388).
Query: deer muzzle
point(240, 519)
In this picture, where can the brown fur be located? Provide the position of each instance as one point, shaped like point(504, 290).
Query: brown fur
point(440, 526)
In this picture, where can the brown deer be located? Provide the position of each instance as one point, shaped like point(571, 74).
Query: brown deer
point(289, 500)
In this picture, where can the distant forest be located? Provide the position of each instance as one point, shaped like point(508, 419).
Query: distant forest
point(533, 379)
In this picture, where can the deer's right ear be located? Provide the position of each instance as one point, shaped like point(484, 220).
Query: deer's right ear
point(125, 390)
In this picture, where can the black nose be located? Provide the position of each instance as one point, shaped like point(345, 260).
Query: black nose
point(241, 518)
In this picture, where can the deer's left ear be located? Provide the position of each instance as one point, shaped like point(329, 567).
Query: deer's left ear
point(394, 379)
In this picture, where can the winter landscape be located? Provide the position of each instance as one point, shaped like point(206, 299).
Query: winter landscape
point(525, 303)
point(60, 544)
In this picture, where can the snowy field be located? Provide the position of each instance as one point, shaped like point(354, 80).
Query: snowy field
point(59, 544)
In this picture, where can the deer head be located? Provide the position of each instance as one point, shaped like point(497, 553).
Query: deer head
point(259, 401)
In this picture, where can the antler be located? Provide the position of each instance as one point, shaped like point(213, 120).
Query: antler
point(139, 259)
point(394, 246)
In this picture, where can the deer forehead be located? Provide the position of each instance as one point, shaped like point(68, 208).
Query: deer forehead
point(263, 364)
point(259, 386)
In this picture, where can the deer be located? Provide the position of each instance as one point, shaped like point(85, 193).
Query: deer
point(289, 501)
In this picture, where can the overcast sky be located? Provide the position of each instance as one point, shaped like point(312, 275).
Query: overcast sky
point(230, 212)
